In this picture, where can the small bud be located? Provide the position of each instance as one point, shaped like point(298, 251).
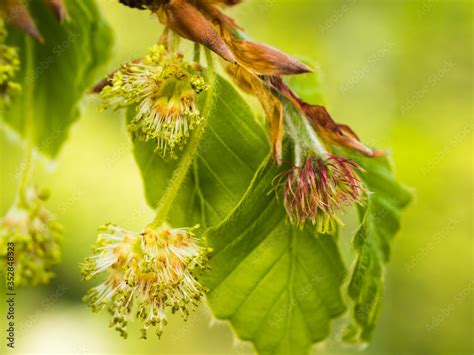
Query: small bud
point(148, 273)
point(165, 90)
point(35, 235)
point(318, 190)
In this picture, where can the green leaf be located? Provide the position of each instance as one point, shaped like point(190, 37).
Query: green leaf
point(272, 281)
point(380, 221)
point(56, 74)
point(308, 86)
point(278, 285)
point(230, 152)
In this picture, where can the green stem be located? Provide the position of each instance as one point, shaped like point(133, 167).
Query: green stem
point(300, 130)
point(210, 67)
point(29, 121)
point(293, 132)
point(25, 173)
point(199, 192)
point(197, 52)
point(187, 159)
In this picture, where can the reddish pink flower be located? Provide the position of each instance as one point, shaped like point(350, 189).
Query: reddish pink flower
point(321, 188)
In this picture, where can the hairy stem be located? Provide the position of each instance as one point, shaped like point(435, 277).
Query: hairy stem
point(303, 135)
point(190, 153)
point(292, 131)
point(25, 172)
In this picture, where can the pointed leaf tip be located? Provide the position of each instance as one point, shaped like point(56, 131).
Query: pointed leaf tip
point(15, 13)
point(266, 60)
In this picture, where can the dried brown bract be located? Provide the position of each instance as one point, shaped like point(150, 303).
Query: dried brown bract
point(16, 12)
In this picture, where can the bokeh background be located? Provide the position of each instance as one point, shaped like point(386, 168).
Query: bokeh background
point(398, 71)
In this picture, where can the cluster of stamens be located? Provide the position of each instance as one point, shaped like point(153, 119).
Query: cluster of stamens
point(147, 273)
point(9, 66)
point(35, 236)
point(164, 90)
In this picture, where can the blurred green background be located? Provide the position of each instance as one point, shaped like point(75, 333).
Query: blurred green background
point(398, 71)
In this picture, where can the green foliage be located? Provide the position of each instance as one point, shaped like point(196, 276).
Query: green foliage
point(380, 221)
point(309, 86)
point(256, 252)
point(56, 74)
point(232, 274)
point(277, 284)
point(230, 151)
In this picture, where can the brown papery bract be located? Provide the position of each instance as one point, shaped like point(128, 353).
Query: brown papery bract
point(186, 20)
point(58, 8)
point(271, 105)
point(322, 122)
point(263, 59)
point(16, 13)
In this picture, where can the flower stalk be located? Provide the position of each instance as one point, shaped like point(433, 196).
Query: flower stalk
point(155, 271)
point(186, 160)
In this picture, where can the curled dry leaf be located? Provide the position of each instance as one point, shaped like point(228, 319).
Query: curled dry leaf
point(322, 122)
point(332, 132)
point(16, 13)
point(271, 105)
point(263, 59)
point(202, 21)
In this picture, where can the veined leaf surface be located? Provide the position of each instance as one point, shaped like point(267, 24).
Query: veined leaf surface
point(59, 71)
